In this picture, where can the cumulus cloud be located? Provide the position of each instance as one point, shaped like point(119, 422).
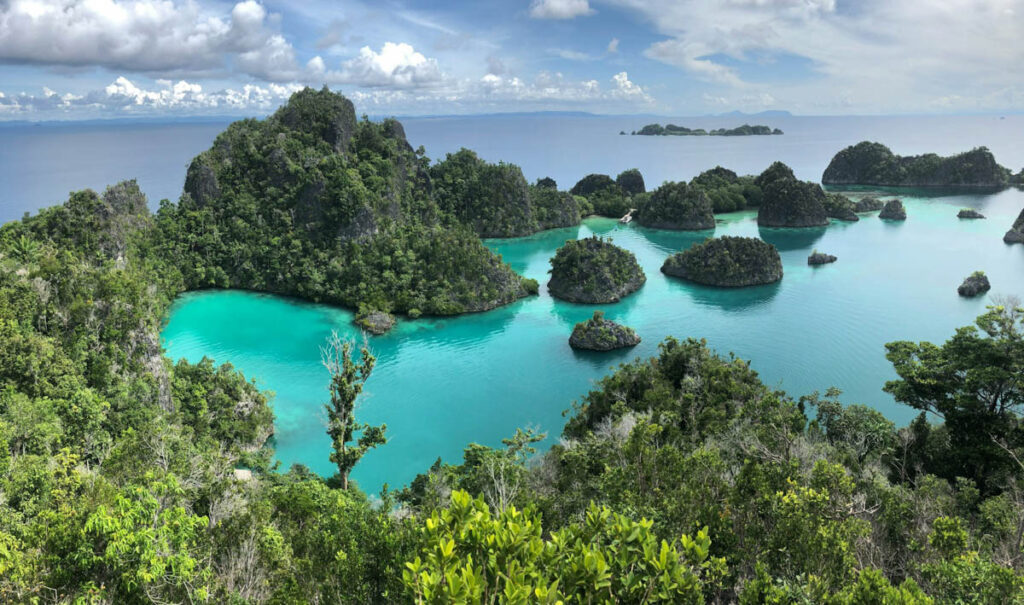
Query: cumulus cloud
point(554, 87)
point(874, 55)
point(624, 89)
point(395, 66)
point(151, 36)
point(124, 97)
point(560, 9)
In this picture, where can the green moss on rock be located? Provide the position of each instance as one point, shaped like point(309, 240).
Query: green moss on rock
point(727, 261)
point(593, 270)
point(600, 334)
point(677, 206)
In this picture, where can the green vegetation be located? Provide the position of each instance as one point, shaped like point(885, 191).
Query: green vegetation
point(631, 182)
point(314, 204)
point(869, 163)
point(840, 207)
point(605, 197)
point(727, 261)
point(673, 130)
point(600, 334)
point(727, 191)
point(593, 270)
point(494, 199)
point(676, 206)
point(347, 379)
point(128, 478)
point(788, 202)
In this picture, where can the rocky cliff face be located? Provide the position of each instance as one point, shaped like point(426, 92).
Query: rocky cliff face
point(600, 334)
point(792, 203)
point(1016, 233)
point(594, 270)
point(869, 204)
point(868, 163)
point(840, 207)
point(727, 261)
point(975, 284)
point(677, 206)
point(893, 211)
point(820, 258)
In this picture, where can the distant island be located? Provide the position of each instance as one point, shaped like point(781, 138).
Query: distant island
point(868, 163)
point(682, 131)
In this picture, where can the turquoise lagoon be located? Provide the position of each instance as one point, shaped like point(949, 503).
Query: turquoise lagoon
point(441, 383)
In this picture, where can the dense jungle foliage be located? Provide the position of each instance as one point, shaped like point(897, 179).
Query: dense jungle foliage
point(313, 203)
point(868, 163)
point(128, 478)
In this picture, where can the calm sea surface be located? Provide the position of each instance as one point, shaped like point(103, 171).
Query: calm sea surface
point(443, 383)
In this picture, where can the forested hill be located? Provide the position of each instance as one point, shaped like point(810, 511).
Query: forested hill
point(314, 203)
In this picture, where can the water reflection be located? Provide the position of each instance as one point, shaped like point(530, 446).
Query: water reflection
point(791, 238)
point(730, 300)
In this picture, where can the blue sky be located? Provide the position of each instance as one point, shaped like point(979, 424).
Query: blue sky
point(69, 59)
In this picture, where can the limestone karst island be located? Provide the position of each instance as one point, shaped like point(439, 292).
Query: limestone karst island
point(310, 303)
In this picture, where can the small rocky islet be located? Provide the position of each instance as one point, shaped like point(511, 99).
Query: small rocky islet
point(600, 334)
point(593, 271)
point(893, 211)
point(869, 204)
point(975, 284)
point(727, 261)
point(820, 258)
point(969, 213)
point(375, 322)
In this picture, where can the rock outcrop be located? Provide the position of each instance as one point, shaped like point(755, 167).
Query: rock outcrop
point(727, 261)
point(975, 284)
point(677, 206)
point(787, 202)
point(893, 211)
point(593, 270)
point(969, 213)
point(840, 207)
point(375, 322)
point(600, 334)
point(820, 258)
point(869, 204)
point(1016, 233)
point(869, 163)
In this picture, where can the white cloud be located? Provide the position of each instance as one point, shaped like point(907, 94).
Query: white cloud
point(560, 9)
point(395, 66)
point(869, 56)
point(570, 55)
point(152, 36)
point(124, 97)
point(613, 46)
point(624, 89)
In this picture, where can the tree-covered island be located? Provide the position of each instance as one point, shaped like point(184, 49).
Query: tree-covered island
point(868, 163)
point(594, 270)
point(674, 130)
point(727, 261)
